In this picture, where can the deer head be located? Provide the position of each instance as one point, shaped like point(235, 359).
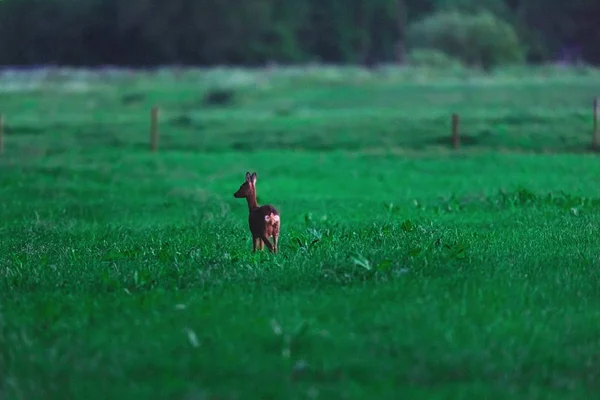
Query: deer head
point(248, 187)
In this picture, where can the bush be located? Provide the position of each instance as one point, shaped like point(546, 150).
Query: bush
point(432, 58)
point(479, 39)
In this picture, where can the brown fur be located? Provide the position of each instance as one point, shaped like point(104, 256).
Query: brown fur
point(264, 221)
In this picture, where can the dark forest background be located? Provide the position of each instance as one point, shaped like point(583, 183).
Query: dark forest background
point(484, 33)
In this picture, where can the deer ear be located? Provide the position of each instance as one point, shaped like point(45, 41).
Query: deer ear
point(247, 176)
point(253, 177)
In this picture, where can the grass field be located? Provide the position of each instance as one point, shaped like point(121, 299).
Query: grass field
point(406, 269)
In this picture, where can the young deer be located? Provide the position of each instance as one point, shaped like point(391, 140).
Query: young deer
point(263, 220)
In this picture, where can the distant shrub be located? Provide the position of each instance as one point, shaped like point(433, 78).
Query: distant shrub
point(219, 97)
point(477, 39)
point(133, 98)
point(182, 121)
point(432, 58)
point(284, 110)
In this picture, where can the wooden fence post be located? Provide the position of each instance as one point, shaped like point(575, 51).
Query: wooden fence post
point(1, 134)
point(455, 131)
point(596, 137)
point(154, 129)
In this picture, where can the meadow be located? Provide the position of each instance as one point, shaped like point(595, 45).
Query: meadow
point(406, 268)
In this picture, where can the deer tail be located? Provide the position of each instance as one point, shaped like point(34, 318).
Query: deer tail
point(272, 219)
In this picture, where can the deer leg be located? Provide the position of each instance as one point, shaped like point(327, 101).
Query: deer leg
point(275, 239)
point(267, 242)
point(255, 243)
point(276, 236)
point(261, 244)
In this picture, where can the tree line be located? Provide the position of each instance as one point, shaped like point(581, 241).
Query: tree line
point(255, 32)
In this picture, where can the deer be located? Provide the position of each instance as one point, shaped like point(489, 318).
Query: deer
point(264, 221)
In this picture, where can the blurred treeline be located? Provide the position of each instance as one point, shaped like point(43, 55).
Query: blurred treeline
point(483, 33)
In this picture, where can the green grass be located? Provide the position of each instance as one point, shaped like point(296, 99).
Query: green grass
point(405, 269)
point(338, 110)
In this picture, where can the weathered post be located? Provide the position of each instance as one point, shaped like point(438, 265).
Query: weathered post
point(455, 131)
point(154, 129)
point(1, 134)
point(596, 134)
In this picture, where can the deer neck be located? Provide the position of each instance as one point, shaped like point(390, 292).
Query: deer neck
point(251, 199)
